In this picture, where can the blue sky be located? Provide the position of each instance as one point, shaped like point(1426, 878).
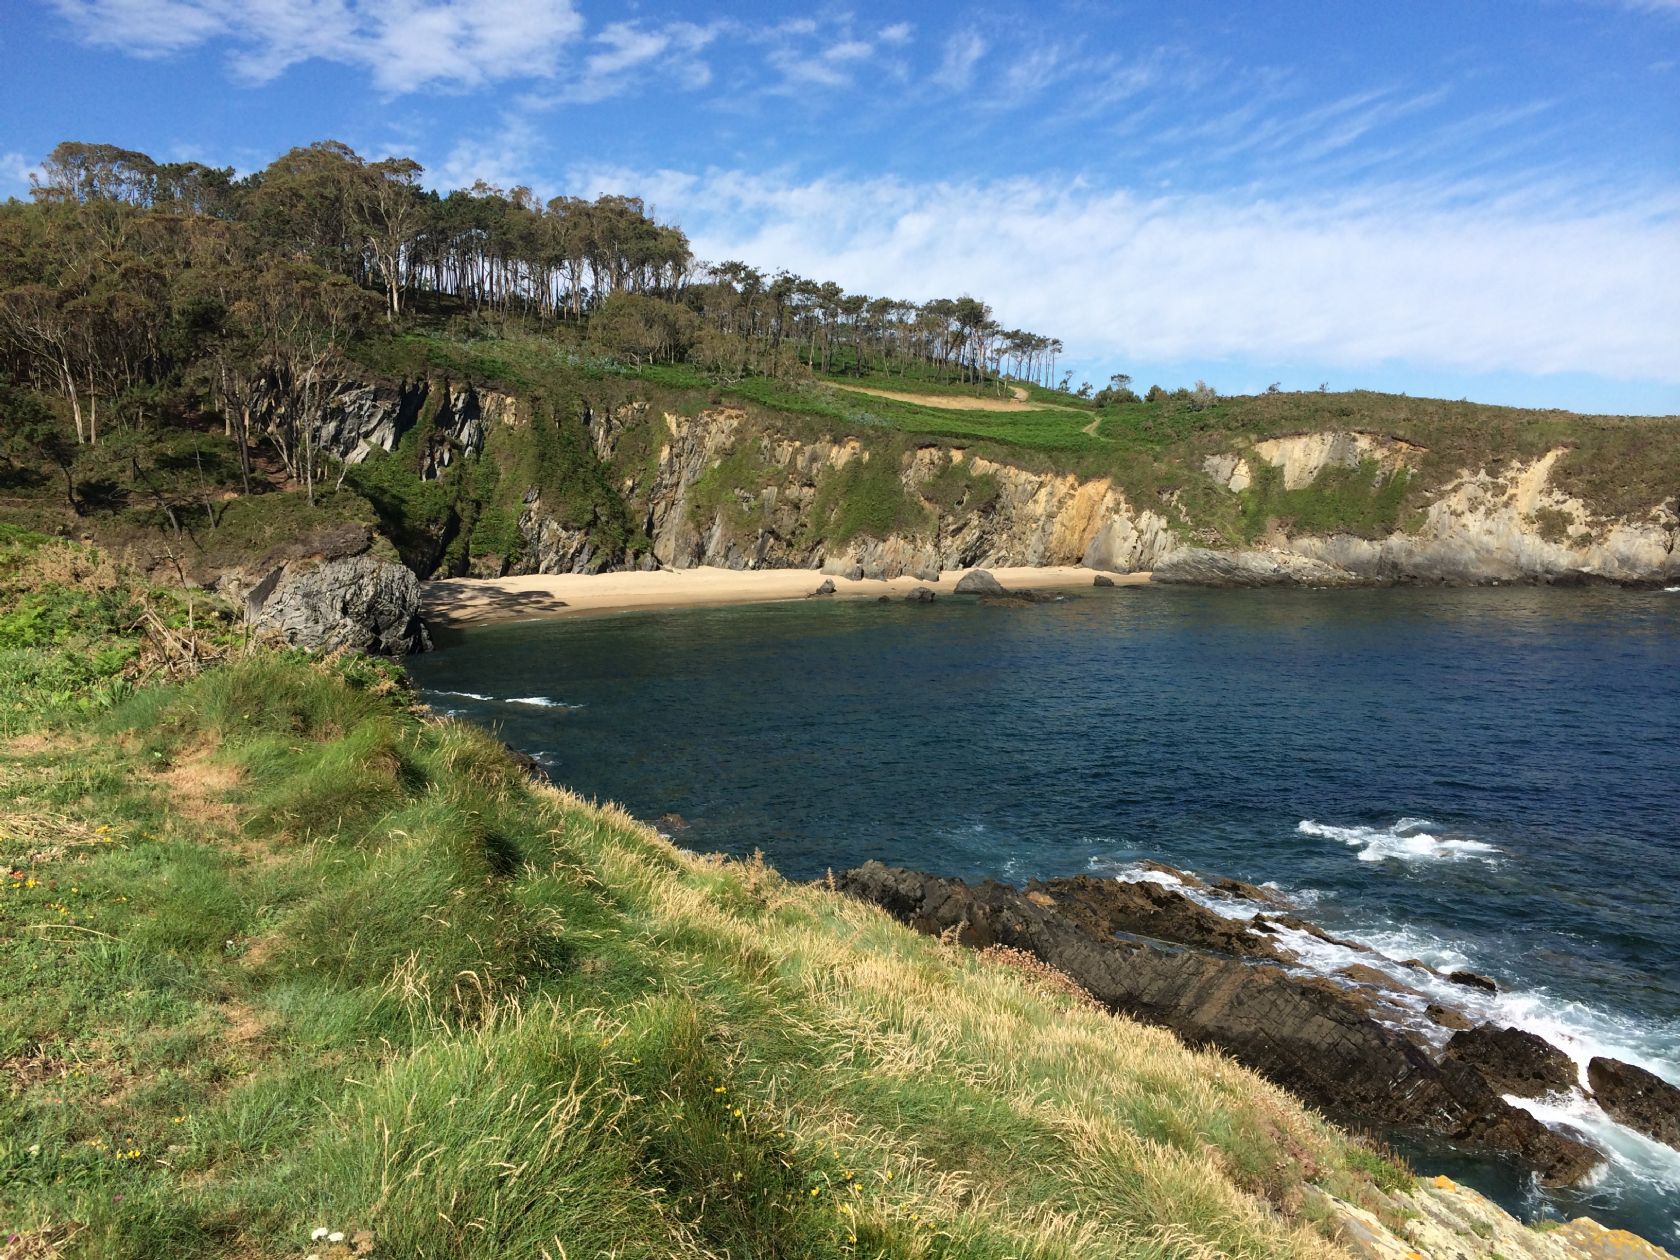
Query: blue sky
point(1461, 199)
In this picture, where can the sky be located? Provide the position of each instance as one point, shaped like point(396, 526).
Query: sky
point(1454, 198)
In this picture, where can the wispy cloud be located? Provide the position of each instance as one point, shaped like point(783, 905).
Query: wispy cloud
point(404, 45)
point(1537, 284)
point(962, 53)
point(627, 56)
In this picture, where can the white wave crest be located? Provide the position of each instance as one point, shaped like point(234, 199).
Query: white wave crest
point(1406, 841)
point(464, 695)
point(542, 702)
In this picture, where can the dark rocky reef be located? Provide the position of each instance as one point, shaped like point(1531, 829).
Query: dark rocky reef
point(1147, 951)
point(1639, 1099)
point(1514, 1061)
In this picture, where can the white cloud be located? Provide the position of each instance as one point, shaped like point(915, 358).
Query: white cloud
point(628, 54)
point(15, 170)
point(504, 158)
point(405, 45)
point(896, 35)
point(1534, 283)
point(962, 52)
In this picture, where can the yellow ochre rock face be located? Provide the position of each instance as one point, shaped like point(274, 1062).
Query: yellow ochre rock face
point(1441, 1220)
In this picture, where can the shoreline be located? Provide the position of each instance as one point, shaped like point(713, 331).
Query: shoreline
point(456, 603)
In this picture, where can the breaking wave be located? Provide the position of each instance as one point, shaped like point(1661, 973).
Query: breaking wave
point(1406, 841)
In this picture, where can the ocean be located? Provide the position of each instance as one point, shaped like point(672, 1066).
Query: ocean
point(1483, 778)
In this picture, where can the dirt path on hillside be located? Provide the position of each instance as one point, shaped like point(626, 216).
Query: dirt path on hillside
point(956, 402)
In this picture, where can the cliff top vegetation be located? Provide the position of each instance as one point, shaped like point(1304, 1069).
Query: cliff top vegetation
point(170, 335)
point(281, 952)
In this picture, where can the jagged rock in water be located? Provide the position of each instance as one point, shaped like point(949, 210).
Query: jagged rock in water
point(1249, 892)
point(1470, 980)
point(920, 595)
point(356, 602)
point(1146, 908)
point(1308, 1035)
point(1446, 1017)
point(979, 582)
point(827, 588)
point(1514, 1061)
point(1639, 1099)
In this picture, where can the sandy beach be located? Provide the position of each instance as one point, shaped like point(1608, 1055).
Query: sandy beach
point(469, 601)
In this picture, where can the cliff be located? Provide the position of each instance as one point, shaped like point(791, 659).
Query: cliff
point(476, 464)
point(728, 491)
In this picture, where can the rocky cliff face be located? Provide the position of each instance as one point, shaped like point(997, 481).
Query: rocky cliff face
point(353, 418)
point(719, 488)
point(973, 510)
point(1510, 525)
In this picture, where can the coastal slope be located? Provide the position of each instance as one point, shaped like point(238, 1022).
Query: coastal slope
point(285, 953)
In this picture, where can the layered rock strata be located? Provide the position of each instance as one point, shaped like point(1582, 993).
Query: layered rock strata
point(1150, 952)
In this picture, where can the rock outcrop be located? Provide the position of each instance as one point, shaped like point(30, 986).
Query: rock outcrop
point(1438, 1219)
point(979, 582)
point(353, 418)
point(1307, 1034)
point(1639, 1099)
point(357, 602)
point(1515, 1061)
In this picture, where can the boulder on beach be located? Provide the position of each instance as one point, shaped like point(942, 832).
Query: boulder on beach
point(1514, 1061)
point(827, 588)
point(920, 595)
point(1102, 579)
point(979, 582)
point(1639, 1099)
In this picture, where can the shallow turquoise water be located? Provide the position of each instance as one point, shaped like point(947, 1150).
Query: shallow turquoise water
point(1484, 778)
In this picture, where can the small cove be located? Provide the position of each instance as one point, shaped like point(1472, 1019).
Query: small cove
point(1486, 778)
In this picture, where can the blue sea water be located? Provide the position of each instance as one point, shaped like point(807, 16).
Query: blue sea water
point(1485, 778)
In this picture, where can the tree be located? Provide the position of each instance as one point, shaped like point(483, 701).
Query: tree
point(389, 213)
point(1202, 396)
point(31, 431)
point(299, 319)
point(642, 329)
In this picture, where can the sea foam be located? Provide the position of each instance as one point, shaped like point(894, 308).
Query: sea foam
point(1406, 841)
point(1580, 1031)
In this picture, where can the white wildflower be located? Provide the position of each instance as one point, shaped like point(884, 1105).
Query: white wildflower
point(337, 1236)
point(315, 1235)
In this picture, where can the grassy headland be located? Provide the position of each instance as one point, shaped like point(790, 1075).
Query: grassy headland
point(280, 951)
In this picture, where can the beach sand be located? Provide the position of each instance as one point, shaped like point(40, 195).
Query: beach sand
point(470, 601)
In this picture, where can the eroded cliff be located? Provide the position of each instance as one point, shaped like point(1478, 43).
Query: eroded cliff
point(734, 487)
